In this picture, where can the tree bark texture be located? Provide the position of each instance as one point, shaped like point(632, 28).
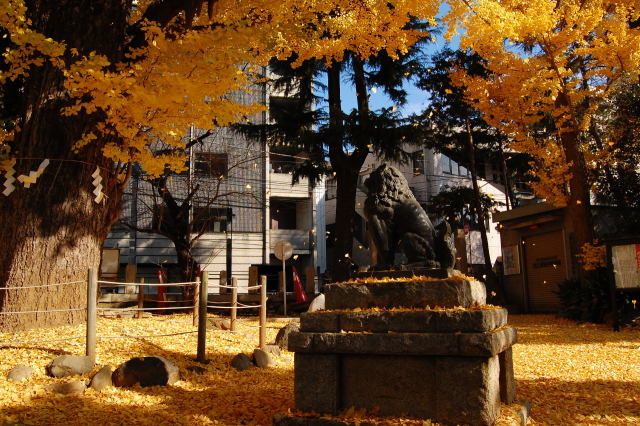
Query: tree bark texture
point(578, 211)
point(346, 166)
point(491, 279)
point(53, 231)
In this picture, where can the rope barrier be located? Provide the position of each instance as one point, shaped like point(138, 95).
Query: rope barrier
point(44, 285)
point(239, 288)
point(248, 306)
point(231, 307)
point(251, 326)
point(128, 336)
point(43, 312)
point(166, 301)
point(39, 341)
point(144, 309)
point(120, 284)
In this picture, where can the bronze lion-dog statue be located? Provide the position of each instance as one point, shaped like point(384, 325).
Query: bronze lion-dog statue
point(399, 224)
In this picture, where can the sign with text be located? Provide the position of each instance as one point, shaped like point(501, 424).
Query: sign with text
point(510, 260)
point(626, 265)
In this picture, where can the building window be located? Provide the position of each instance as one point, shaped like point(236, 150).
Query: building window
point(211, 219)
point(417, 160)
point(283, 214)
point(210, 164)
point(446, 164)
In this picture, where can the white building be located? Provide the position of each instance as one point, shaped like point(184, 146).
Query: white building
point(264, 206)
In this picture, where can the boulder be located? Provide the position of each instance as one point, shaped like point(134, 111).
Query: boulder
point(282, 338)
point(68, 388)
point(261, 358)
point(20, 373)
point(273, 350)
point(241, 362)
point(317, 304)
point(102, 379)
point(148, 371)
point(219, 323)
point(69, 365)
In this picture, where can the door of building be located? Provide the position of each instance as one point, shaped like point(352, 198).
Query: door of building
point(546, 267)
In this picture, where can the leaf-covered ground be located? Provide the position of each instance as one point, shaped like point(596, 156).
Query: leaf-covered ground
point(571, 374)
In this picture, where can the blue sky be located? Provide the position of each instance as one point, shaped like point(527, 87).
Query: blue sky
point(417, 100)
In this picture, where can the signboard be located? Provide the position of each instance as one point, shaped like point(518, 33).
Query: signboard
point(510, 260)
point(283, 250)
point(626, 265)
point(110, 263)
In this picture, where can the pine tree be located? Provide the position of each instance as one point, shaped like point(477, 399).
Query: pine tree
point(458, 130)
point(344, 137)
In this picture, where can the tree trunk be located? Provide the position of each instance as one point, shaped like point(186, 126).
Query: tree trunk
point(346, 166)
point(491, 279)
point(509, 198)
point(53, 231)
point(578, 207)
point(347, 180)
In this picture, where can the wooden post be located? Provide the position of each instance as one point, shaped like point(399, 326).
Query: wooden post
point(253, 279)
point(92, 309)
point(202, 317)
point(234, 303)
point(263, 311)
point(140, 298)
point(130, 272)
point(196, 298)
point(223, 282)
point(310, 276)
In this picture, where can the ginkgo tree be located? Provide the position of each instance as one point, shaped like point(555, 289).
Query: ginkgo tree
point(88, 87)
point(552, 64)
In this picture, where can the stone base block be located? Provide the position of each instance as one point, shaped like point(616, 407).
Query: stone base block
point(446, 293)
point(441, 388)
point(407, 271)
point(439, 344)
point(418, 321)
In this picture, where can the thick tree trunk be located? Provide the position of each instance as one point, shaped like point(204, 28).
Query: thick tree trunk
point(53, 231)
point(347, 167)
point(491, 279)
point(579, 203)
point(347, 180)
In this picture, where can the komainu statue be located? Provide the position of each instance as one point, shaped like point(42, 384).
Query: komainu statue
point(398, 224)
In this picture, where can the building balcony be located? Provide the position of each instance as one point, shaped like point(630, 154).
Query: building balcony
point(299, 239)
point(280, 186)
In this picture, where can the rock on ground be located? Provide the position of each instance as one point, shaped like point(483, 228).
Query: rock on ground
point(20, 372)
point(282, 338)
point(273, 350)
point(102, 379)
point(68, 388)
point(241, 362)
point(261, 358)
point(148, 371)
point(219, 323)
point(69, 365)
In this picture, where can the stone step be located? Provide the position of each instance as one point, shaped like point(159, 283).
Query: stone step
point(440, 344)
point(446, 293)
point(418, 321)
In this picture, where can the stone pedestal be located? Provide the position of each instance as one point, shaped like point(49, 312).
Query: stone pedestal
point(450, 366)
